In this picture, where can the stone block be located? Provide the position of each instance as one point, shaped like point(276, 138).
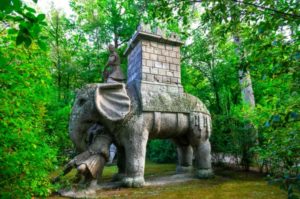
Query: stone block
point(153, 57)
point(178, 55)
point(174, 80)
point(149, 63)
point(169, 60)
point(149, 77)
point(176, 74)
point(145, 43)
point(154, 71)
point(146, 55)
point(166, 79)
point(172, 54)
point(148, 49)
point(161, 58)
point(175, 61)
point(173, 67)
point(161, 71)
point(158, 78)
point(170, 74)
point(165, 65)
point(161, 46)
point(168, 47)
point(146, 69)
point(176, 49)
point(165, 53)
point(158, 64)
point(157, 51)
point(144, 49)
point(153, 44)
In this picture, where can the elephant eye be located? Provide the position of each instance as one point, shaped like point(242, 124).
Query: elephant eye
point(81, 101)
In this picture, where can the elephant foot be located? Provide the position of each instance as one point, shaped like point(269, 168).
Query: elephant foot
point(183, 169)
point(118, 177)
point(94, 183)
point(133, 182)
point(205, 173)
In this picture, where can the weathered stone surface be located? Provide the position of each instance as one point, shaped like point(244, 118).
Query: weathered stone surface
point(162, 72)
point(134, 69)
point(163, 100)
point(146, 69)
point(112, 101)
point(156, 53)
point(154, 71)
point(151, 105)
point(112, 71)
point(161, 111)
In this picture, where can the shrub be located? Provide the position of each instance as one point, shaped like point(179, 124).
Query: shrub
point(26, 158)
point(161, 151)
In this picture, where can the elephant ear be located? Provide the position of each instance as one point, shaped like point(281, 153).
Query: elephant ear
point(112, 101)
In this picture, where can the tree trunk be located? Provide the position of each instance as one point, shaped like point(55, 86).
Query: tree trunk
point(58, 60)
point(248, 133)
point(244, 78)
point(246, 87)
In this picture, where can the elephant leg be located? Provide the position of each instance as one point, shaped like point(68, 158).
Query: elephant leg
point(121, 163)
point(203, 159)
point(135, 151)
point(185, 156)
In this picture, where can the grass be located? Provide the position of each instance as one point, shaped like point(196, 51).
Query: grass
point(227, 184)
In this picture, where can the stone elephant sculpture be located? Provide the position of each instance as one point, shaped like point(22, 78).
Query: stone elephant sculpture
point(129, 125)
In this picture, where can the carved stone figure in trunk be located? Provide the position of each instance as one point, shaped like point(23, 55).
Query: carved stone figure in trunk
point(94, 153)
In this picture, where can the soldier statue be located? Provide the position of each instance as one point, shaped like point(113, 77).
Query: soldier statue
point(112, 72)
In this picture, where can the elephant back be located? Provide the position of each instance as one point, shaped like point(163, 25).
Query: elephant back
point(112, 101)
point(171, 102)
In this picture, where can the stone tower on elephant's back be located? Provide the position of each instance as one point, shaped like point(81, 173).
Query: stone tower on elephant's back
point(154, 61)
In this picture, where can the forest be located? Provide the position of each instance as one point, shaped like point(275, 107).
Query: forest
point(240, 57)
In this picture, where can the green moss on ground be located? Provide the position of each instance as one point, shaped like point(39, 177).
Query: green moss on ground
point(227, 184)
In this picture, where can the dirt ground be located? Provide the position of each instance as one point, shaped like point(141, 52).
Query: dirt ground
point(162, 182)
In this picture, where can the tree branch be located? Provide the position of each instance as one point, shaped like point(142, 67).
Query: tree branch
point(270, 9)
point(258, 6)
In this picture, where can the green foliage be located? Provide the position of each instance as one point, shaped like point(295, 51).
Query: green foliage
point(268, 47)
point(25, 156)
point(38, 81)
point(161, 151)
point(27, 24)
point(57, 123)
point(108, 20)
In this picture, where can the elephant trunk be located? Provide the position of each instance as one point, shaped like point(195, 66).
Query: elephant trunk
point(81, 120)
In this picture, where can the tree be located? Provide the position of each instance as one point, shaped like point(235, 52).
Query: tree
point(109, 20)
